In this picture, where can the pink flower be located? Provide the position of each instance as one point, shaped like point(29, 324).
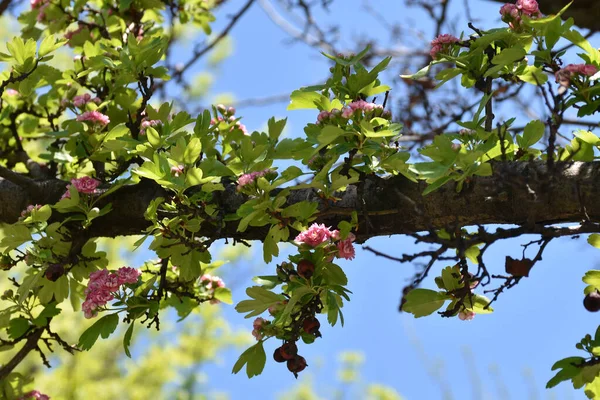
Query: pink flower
point(128, 275)
point(529, 7)
point(315, 235)
point(246, 179)
point(42, 15)
point(209, 281)
point(94, 117)
point(358, 107)
point(34, 394)
point(323, 115)
point(112, 283)
point(582, 69)
point(442, 44)
point(511, 15)
point(347, 113)
point(85, 184)
point(258, 325)
point(177, 170)
point(81, 101)
point(102, 285)
point(147, 123)
point(564, 75)
point(11, 92)
point(346, 248)
point(29, 209)
point(36, 3)
point(466, 315)
point(89, 309)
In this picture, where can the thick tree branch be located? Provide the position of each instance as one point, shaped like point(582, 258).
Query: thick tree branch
point(518, 193)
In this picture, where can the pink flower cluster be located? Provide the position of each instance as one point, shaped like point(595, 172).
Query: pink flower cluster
point(466, 315)
point(563, 76)
point(210, 283)
point(83, 185)
point(346, 248)
point(82, 100)
point(29, 209)
point(316, 234)
point(11, 92)
point(34, 394)
point(442, 44)
point(529, 7)
point(103, 284)
point(231, 119)
point(356, 108)
point(95, 117)
point(249, 178)
point(512, 13)
point(319, 233)
point(581, 69)
point(258, 325)
point(148, 123)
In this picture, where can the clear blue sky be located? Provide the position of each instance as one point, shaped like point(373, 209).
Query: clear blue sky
point(535, 324)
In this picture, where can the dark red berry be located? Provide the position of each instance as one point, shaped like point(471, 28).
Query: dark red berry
point(277, 356)
point(296, 364)
point(289, 350)
point(306, 269)
point(592, 302)
point(54, 271)
point(311, 325)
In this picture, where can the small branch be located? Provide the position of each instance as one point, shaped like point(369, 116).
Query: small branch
point(30, 344)
point(178, 74)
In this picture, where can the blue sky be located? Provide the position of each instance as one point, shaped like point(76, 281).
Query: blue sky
point(535, 324)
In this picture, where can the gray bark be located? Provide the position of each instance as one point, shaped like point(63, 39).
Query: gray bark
point(518, 193)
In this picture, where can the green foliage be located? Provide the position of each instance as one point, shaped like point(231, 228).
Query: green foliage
point(126, 138)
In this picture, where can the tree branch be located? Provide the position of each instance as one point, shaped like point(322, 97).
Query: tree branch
point(30, 344)
point(518, 193)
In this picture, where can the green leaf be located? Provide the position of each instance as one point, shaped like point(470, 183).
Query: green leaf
point(49, 44)
point(334, 275)
point(479, 304)
point(103, 327)
point(329, 133)
point(192, 151)
point(224, 295)
point(13, 236)
point(422, 302)
point(300, 99)
point(276, 127)
point(17, 327)
point(262, 300)
point(533, 132)
point(592, 278)
point(254, 358)
point(127, 339)
point(587, 137)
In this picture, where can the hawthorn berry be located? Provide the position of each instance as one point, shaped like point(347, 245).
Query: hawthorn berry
point(591, 302)
point(289, 350)
point(277, 356)
point(311, 325)
point(54, 271)
point(296, 364)
point(306, 269)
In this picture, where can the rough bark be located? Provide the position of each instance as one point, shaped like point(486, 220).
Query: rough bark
point(517, 193)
